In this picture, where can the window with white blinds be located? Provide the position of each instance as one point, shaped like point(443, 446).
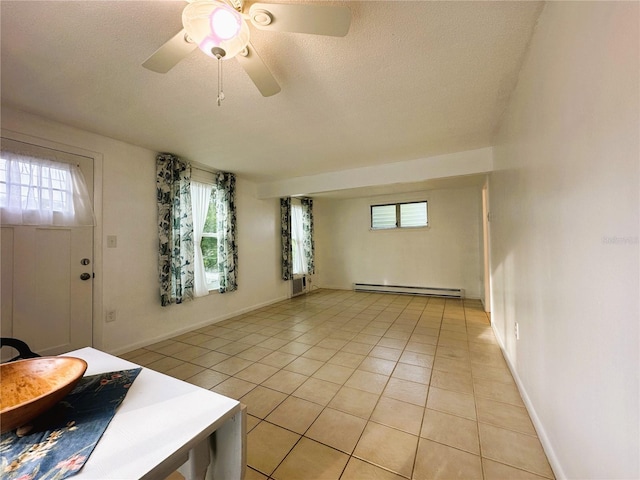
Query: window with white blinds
point(413, 214)
point(383, 216)
point(399, 215)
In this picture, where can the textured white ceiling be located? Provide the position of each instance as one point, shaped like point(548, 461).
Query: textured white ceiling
point(410, 80)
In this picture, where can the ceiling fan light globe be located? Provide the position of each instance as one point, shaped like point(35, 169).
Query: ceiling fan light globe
point(224, 23)
point(215, 24)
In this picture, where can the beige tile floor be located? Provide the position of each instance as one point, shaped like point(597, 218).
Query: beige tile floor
point(346, 385)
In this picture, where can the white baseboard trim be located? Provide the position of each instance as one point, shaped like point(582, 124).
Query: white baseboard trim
point(486, 307)
point(195, 326)
point(537, 424)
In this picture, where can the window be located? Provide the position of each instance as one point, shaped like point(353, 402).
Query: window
point(203, 202)
point(39, 185)
point(413, 214)
point(40, 191)
point(299, 266)
point(185, 205)
point(296, 237)
point(209, 245)
point(399, 215)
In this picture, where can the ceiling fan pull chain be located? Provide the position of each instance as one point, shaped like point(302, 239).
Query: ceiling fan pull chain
point(220, 93)
point(219, 53)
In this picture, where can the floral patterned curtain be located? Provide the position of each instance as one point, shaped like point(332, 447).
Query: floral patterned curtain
point(175, 229)
point(227, 247)
point(285, 235)
point(307, 226)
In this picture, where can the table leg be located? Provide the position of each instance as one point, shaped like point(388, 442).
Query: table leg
point(229, 449)
point(223, 456)
point(195, 468)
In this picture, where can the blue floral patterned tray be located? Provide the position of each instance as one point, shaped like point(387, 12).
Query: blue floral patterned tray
point(57, 444)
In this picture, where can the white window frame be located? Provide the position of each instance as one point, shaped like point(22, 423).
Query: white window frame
point(206, 176)
point(398, 219)
point(213, 285)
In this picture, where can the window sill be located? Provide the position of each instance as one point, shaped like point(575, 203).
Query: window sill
point(399, 229)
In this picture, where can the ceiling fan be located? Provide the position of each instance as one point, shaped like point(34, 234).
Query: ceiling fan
point(220, 29)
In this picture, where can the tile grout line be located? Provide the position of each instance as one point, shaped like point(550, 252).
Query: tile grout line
point(376, 405)
point(321, 318)
point(475, 404)
point(324, 407)
point(415, 457)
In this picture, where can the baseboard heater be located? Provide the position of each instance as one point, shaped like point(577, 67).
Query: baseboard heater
point(407, 290)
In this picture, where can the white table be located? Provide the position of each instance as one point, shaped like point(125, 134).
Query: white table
point(163, 425)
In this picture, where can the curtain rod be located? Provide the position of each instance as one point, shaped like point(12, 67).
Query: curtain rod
point(203, 168)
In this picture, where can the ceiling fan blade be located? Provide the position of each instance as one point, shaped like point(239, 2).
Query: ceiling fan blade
point(301, 18)
point(258, 72)
point(169, 54)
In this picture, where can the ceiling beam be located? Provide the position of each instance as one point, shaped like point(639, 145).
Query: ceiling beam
point(469, 162)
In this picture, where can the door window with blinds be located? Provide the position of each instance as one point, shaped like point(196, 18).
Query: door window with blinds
point(399, 215)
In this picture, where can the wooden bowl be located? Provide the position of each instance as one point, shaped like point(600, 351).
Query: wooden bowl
point(31, 387)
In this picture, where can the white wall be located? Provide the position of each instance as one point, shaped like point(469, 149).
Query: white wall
point(445, 254)
point(126, 276)
point(564, 202)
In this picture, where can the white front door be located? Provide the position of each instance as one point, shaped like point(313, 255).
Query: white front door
point(47, 281)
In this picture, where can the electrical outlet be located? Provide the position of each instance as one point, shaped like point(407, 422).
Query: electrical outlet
point(517, 332)
point(110, 316)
